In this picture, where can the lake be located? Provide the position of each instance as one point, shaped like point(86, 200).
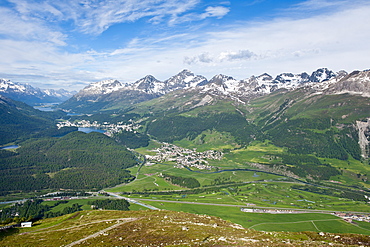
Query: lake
point(10, 147)
point(90, 129)
point(46, 106)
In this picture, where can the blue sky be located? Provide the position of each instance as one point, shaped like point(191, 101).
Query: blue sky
point(71, 43)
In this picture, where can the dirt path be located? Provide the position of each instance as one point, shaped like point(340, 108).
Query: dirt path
point(120, 222)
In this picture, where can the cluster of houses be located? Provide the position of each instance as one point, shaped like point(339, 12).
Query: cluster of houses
point(110, 128)
point(349, 217)
point(185, 157)
point(269, 211)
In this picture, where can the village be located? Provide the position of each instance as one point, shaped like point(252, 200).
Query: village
point(109, 128)
point(350, 217)
point(269, 211)
point(185, 157)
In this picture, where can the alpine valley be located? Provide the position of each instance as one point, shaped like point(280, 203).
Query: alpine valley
point(286, 153)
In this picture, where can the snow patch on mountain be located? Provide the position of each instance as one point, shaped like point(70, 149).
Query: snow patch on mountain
point(149, 84)
point(320, 81)
point(356, 83)
point(103, 87)
point(32, 95)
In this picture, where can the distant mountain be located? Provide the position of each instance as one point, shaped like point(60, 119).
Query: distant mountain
point(32, 95)
point(60, 94)
point(113, 95)
point(357, 83)
point(324, 114)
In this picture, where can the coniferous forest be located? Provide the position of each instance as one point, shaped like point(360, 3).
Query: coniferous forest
point(75, 161)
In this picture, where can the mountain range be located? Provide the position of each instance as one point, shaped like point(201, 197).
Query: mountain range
point(309, 132)
point(283, 109)
point(32, 95)
point(113, 94)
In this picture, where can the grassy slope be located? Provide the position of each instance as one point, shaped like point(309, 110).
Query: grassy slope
point(114, 228)
point(273, 222)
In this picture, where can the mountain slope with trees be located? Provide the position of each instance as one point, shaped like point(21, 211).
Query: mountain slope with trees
point(20, 121)
point(75, 161)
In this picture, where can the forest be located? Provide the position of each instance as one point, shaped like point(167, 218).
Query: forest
point(187, 182)
point(109, 204)
point(174, 128)
point(308, 165)
point(75, 161)
point(132, 139)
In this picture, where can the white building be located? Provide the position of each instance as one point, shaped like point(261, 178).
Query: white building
point(26, 224)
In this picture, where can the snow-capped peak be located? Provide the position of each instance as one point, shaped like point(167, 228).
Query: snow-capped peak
point(103, 87)
point(7, 85)
point(31, 95)
point(321, 75)
point(184, 79)
point(149, 84)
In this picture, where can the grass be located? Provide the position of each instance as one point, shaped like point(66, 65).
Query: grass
point(168, 228)
point(209, 140)
point(266, 194)
point(150, 179)
point(260, 188)
point(271, 222)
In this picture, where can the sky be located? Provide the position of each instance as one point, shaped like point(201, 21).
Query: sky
point(72, 43)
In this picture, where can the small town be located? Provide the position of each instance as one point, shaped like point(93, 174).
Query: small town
point(350, 217)
point(109, 128)
point(270, 211)
point(185, 157)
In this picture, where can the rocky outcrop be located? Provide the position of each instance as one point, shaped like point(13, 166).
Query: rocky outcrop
point(364, 137)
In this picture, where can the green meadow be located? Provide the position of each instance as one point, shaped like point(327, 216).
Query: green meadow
point(316, 222)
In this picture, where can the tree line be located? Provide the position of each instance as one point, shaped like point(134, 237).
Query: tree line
point(32, 210)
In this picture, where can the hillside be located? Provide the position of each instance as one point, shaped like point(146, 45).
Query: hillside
point(75, 161)
point(160, 228)
point(20, 121)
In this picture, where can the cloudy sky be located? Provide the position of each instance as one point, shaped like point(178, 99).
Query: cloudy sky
point(71, 43)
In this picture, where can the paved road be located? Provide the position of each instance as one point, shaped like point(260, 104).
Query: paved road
point(131, 200)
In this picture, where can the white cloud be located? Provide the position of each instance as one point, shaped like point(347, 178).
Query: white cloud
point(94, 17)
point(207, 57)
point(218, 11)
point(337, 39)
point(237, 55)
point(16, 27)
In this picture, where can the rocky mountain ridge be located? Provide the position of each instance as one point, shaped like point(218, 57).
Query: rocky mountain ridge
point(32, 95)
point(263, 84)
point(320, 81)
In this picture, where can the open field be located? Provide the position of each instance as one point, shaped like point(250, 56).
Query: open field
point(238, 187)
point(272, 222)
